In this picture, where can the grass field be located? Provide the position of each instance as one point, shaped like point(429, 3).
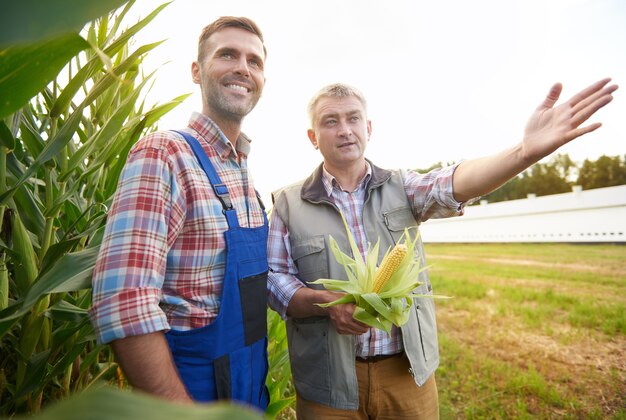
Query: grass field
point(532, 331)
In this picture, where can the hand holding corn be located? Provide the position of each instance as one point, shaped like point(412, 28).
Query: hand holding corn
point(383, 295)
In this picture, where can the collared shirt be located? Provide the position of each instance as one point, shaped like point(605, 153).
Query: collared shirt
point(162, 258)
point(430, 196)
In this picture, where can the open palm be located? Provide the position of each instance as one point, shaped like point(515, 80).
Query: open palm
point(551, 127)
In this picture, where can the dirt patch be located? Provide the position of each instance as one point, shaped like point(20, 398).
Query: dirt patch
point(609, 271)
point(585, 364)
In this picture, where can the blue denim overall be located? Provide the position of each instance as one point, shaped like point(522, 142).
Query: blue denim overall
point(227, 359)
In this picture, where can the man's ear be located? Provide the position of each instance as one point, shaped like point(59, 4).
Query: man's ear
point(369, 129)
point(195, 72)
point(311, 134)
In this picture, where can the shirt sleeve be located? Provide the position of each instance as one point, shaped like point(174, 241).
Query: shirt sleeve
point(431, 194)
point(130, 268)
point(282, 283)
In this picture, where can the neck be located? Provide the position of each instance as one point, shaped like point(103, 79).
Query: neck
point(231, 127)
point(348, 177)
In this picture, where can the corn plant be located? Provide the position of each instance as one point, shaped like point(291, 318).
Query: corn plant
point(62, 153)
point(279, 383)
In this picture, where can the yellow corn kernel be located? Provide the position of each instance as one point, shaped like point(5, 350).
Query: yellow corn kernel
point(388, 266)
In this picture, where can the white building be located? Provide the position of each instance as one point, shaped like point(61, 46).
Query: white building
point(597, 215)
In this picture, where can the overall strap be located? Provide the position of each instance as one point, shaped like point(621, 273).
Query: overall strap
point(219, 188)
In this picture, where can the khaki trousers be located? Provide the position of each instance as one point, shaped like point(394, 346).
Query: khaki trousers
point(386, 391)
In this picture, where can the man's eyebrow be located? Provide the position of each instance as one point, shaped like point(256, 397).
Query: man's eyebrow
point(235, 51)
point(225, 50)
point(335, 114)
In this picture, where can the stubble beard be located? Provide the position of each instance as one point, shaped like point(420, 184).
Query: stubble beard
point(227, 108)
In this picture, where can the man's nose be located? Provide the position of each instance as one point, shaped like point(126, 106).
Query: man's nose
point(344, 129)
point(241, 67)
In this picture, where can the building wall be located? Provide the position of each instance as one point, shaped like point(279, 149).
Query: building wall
point(597, 215)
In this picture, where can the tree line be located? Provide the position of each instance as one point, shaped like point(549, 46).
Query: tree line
point(558, 175)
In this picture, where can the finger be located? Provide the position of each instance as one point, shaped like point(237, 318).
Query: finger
point(571, 135)
point(583, 114)
point(553, 96)
point(596, 100)
point(588, 91)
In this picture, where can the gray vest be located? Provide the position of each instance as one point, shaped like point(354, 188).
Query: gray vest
point(322, 360)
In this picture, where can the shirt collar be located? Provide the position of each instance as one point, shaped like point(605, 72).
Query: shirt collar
point(213, 135)
point(330, 182)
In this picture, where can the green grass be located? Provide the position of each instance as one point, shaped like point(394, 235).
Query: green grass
point(533, 330)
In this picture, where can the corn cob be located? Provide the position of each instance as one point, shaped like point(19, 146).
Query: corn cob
point(388, 266)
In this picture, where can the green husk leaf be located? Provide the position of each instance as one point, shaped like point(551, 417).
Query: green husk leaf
point(391, 306)
point(362, 315)
point(338, 285)
point(347, 298)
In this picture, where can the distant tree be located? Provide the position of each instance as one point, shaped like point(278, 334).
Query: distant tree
point(430, 168)
point(557, 176)
point(512, 190)
point(540, 179)
point(546, 178)
point(606, 171)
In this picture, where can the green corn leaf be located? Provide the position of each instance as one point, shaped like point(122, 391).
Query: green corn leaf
point(113, 404)
point(347, 298)
point(95, 64)
point(377, 303)
point(31, 138)
point(52, 149)
point(72, 272)
point(108, 132)
point(365, 317)
point(155, 114)
point(25, 258)
point(35, 372)
point(6, 138)
point(28, 21)
point(26, 70)
point(4, 286)
point(66, 312)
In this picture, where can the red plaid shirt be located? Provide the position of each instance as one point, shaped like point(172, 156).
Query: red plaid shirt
point(430, 196)
point(162, 259)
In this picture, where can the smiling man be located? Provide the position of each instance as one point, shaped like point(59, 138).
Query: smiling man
point(179, 284)
point(341, 367)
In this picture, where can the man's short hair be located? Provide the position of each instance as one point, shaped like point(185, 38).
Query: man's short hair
point(335, 90)
point(244, 23)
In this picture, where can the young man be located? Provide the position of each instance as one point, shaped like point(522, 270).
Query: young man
point(341, 367)
point(178, 288)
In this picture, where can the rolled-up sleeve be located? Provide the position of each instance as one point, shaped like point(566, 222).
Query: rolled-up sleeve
point(282, 283)
point(431, 194)
point(129, 273)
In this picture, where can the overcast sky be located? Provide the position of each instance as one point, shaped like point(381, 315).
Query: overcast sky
point(444, 80)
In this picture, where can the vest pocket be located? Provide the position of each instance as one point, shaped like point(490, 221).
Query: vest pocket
point(425, 311)
point(398, 219)
point(309, 355)
point(253, 297)
point(310, 257)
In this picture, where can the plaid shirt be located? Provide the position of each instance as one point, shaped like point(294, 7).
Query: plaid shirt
point(162, 259)
point(430, 196)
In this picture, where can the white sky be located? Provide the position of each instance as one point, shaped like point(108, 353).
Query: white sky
point(444, 80)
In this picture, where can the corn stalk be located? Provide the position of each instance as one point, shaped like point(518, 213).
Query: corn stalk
point(60, 157)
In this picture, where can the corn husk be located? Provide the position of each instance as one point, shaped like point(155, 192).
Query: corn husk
point(392, 304)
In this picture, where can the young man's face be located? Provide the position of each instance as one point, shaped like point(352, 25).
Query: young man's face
point(340, 130)
point(231, 74)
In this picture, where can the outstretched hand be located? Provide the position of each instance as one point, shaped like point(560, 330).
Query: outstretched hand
point(551, 127)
